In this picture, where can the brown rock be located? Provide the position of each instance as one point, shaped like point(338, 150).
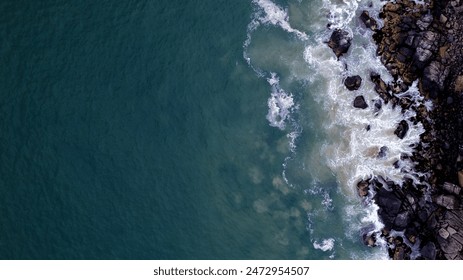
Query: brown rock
point(362, 188)
point(368, 21)
point(459, 85)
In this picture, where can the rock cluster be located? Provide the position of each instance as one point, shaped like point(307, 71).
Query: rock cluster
point(424, 42)
point(420, 41)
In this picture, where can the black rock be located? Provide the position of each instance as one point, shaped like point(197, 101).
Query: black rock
point(402, 129)
point(359, 102)
point(429, 251)
point(378, 105)
point(353, 82)
point(389, 206)
point(402, 220)
point(434, 76)
point(368, 21)
point(339, 42)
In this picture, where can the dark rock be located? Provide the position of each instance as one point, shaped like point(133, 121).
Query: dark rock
point(353, 82)
point(359, 102)
point(368, 21)
point(446, 201)
point(424, 22)
point(399, 253)
point(380, 87)
point(382, 152)
point(402, 129)
point(402, 220)
point(451, 188)
point(450, 245)
point(409, 41)
point(369, 240)
point(434, 76)
point(429, 251)
point(363, 188)
point(389, 206)
point(339, 42)
point(377, 106)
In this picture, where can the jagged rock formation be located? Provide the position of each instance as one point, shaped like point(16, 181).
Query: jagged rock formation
point(421, 42)
point(425, 43)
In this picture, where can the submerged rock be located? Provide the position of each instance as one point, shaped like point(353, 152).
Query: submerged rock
point(382, 152)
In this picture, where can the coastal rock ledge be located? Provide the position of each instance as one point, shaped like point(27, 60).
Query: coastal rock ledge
point(423, 41)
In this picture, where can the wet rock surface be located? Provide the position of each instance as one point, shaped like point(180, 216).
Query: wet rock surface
point(360, 103)
point(422, 42)
point(340, 42)
point(418, 42)
point(353, 82)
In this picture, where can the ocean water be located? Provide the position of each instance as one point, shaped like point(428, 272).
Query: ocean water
point(188, 130)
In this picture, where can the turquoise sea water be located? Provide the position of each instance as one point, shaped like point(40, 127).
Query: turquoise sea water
point(137, 130)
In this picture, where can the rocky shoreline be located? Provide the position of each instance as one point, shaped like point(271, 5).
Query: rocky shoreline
point(419, 42)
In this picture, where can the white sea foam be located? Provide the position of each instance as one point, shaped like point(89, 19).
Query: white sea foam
point(351, 151)
point(280, 104)
point(340, 15)
point(324, 245)
point(275, 15)
point(353, 154)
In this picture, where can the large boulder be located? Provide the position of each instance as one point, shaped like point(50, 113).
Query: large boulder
point(389, 206)
point(434, 76)
point(339, 42)
point(447, 201)
point(359, 102)
point(429, 251)
point(353, 82)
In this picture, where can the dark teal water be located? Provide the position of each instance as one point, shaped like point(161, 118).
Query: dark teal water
point(135, 130)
